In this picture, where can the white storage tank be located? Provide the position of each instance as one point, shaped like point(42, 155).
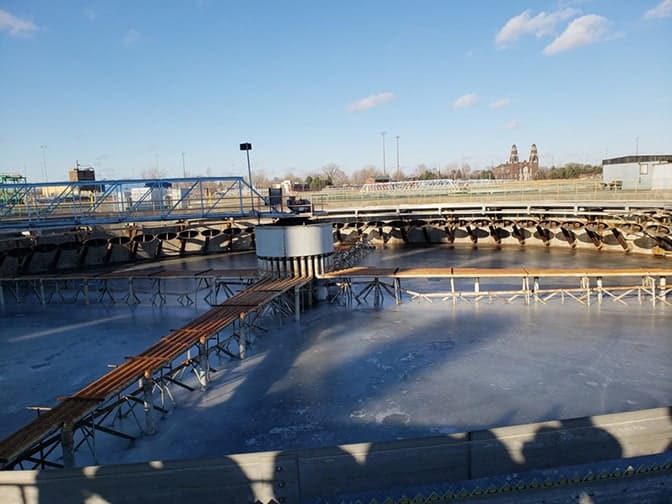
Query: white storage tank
point(298, 250)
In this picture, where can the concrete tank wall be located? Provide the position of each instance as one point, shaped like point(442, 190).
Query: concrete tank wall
point(306, 475)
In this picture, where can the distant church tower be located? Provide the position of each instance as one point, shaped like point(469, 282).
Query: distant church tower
point(513, 158)
point(519, 170)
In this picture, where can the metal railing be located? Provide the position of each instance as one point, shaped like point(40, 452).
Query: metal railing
point(483, 191)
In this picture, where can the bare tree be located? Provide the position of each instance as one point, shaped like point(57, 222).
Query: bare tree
point(153, 172)
point(260, 179)
point(362, 175)
point(423, 172)
point(334, 173)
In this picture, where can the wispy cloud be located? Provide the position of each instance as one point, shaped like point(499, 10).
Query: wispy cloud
point(513, 124)
point(16, 26)
point(580, 32)
point(525, 24)
point(662, 10)
point(501, 103)
point(371, 101)
point(466, 100)
point(90, 14)
point(131, 37)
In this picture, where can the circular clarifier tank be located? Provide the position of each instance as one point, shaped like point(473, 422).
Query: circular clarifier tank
point(304, 249)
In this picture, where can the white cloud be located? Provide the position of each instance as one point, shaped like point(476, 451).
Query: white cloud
point(371, 101)
point(662, 10)
point(16, 26)
point(580, 32)
point(131, 37)
point(466, 100)
point(524, 24)
point(501, 103)
point(513, 124)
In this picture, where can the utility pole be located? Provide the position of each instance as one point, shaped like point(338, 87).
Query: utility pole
point(44, 162)
point(398, 167)
point(184, 170)
point(382, 134)
point(636, 146)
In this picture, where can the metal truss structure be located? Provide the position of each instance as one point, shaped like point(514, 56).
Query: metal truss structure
point(467, 284)
point(147, 381)
point(157, 286)
point(87, 203)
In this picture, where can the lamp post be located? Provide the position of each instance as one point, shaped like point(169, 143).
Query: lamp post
point(382, 134)
point(247, 147)
point(184, 169)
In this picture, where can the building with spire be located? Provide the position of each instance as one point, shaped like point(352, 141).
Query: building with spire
point(515, 169)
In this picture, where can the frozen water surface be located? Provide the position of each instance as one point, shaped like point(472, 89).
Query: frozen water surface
point(357, 374)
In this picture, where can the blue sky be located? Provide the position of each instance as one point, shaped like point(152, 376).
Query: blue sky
point(126, 86)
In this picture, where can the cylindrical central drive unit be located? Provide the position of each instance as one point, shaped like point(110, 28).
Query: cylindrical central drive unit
point(300, 250)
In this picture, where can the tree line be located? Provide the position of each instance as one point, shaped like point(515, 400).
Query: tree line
point(333, 175)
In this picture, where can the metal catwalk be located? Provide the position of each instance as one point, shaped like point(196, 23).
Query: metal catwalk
point(73, 423)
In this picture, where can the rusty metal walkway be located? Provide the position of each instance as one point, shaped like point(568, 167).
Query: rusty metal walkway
point(158, 367)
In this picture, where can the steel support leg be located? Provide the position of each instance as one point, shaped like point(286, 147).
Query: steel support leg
point(86, 291)
point(297, 304)
point(662, 283)
point(43, 298)
point(242, 339)
point(148, 404)
point(68, 444)
point(203, 364)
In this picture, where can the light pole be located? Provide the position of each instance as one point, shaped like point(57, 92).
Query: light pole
point(184, 170)
point(398, 168)
point(382, 134)
point(247, 147)
point(636, 146)
point(44, 162)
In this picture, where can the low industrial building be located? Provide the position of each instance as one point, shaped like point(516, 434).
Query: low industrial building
point(638, 172)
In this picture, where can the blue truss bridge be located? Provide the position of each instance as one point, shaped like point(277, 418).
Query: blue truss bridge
point(56, 204)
